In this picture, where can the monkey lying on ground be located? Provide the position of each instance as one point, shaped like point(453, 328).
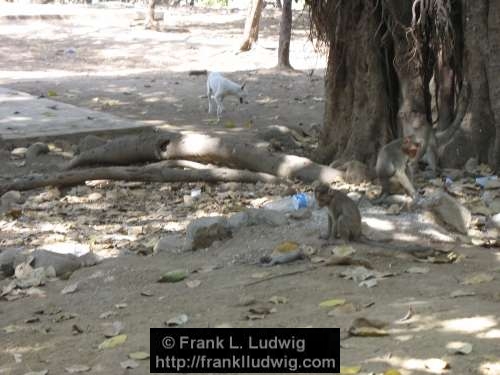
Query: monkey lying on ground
point(344, 219)
point(393, 167)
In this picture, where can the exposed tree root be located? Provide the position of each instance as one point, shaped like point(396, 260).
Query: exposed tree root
point(156, 172)
point(206, 149)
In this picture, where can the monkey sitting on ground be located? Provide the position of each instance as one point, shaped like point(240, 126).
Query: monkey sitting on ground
point(393, 166)
point(344, 218)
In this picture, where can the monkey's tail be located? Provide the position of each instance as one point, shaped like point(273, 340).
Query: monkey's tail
point(198, 72)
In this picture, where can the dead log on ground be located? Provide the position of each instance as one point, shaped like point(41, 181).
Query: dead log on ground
point(206, 149)
point(156, 172)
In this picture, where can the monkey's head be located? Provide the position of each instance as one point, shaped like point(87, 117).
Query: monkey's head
point(410, 147)
point(322, 195)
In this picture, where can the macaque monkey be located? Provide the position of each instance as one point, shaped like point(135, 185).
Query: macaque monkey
point(344, 218)
point(392, 166)
point(423, 134)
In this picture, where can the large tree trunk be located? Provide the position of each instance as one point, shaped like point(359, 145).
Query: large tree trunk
point(356, 104)
point(494, 73)
point(476, 135)
point(382, 57)
point(285, 35)
point(251, 32)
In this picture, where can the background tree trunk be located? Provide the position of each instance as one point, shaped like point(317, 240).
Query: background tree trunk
point(494, 73)
point(384, 57)
point(285, 35)
point(356, 110)
point(476, 135)
point(150, 16)
point(251, 32)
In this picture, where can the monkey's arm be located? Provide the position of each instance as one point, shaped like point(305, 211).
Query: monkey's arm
point(329, 233)
point(406, 183)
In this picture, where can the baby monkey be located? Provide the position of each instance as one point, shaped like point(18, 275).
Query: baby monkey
point(344, 218)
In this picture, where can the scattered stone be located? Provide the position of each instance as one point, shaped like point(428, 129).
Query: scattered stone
point(18, 152)
point(10, 199)
point(169, 243)
point(177, 321)
point(129, 364)
point(451, 212)
point(238, 220)
point(35, 150)
point(266, 217)
point(201, 233)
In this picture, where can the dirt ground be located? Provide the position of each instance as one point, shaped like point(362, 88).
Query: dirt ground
point(122, 69)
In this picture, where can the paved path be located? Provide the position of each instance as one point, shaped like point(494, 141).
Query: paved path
point(26, 116)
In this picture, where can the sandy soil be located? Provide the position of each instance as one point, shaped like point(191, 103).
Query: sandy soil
point(122, 69)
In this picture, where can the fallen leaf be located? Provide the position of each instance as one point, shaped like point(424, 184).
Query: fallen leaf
point(43, 372)
point(286, 247)
point(51, 93)
point(332, 302)
point(462, 293)
point(113, 342)
point(147, 293)
point(350, 370)
point(477, 279)
point(139, 356)
point(392, 371)
point(177, 320)
point(436, 364)
point(420, 270)
point(12, 328)
point(193, 283)
point(173, 276)
point(70, 289)
point(369, 283)
point(121, 305)
point(107, 314)
point(278, 300)
point(343, 251)
point(368, 328)
point(129, 363)
point(77, 368)
point(229, 124)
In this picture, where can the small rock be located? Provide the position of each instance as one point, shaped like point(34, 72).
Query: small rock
point(201, 233)
point(35, 150)
point(266, 217)
point(11, 198)
point(238, 220)
point(19, 152)
point(451, 212)
point(169, 243)
point(129, 363)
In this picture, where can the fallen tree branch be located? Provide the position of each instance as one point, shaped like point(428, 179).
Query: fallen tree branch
point(156, 172)
point(206, 149)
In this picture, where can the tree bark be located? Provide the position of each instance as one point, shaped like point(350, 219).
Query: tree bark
point(156, 172)
point(476, 135)
point(150, 16)
point(494, 74)
point(285, 35)
point(356, 104)
point(251, 32)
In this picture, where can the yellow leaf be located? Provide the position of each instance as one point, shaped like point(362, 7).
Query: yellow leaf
point(350, 370)
point(392, 371)
point(229, 124)
point(138, 355)
point(286, 247)
point(51, 93)
point(113, 342)
point(332, 302)
point(478, 279)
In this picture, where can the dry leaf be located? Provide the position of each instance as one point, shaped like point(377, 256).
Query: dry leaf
point(420, 270)
point(193, 283)
point(278, 300)
point(177, 320)
point(70, 289)
point(77, 369)
point(332, 302)
point(113, 329)
point(436, 364)
point(113, 342)
point(129, 363)
point(478, 278)
point(350, 370)
point(139, 356)
point(286, 247)
point(343, 251)
point(392, 371)
point(462, 293)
